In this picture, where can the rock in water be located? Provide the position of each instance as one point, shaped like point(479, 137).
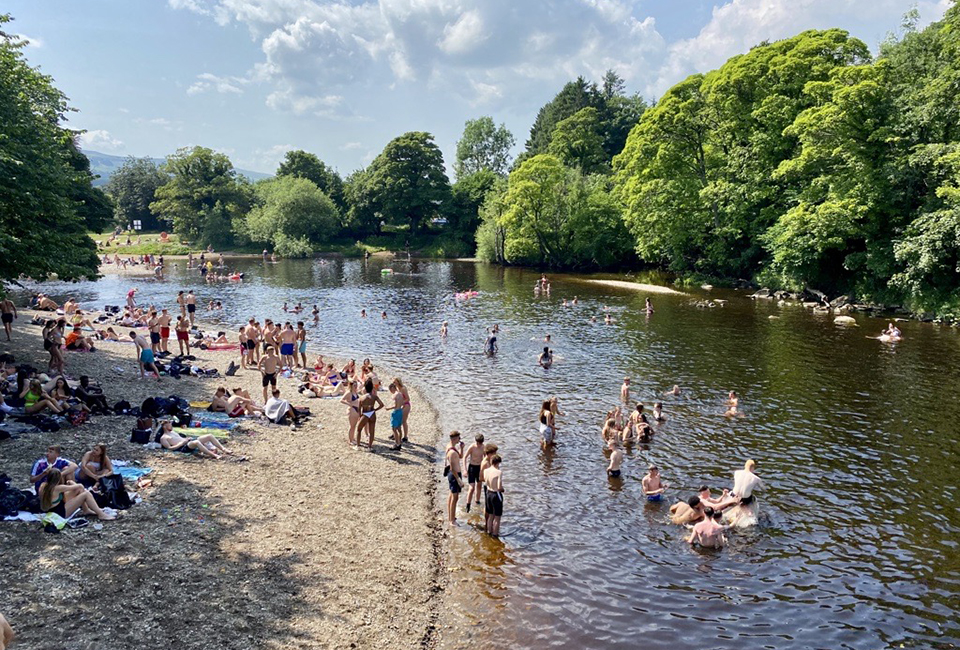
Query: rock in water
point(845, 320)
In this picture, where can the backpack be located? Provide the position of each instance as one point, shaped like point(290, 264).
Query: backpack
point(113, 494)
point(31, 502)
point(179, 404)
point(10, 501)
point(121, 407)
point(149, 407)
point(140, 436)
point(182, 419)
point(48, 424)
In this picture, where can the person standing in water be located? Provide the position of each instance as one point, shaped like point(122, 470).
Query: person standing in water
point(181, 301)
point(443, 330)
point(546, 358)
point(493, 480)
point(653, 487)
point(708, 533)
point(648, 306)
point(744, 483)
point(490, 347)
point(452, 463)
point(191, 301)
point(548, 426)
point(625, 391)
point(616, 459)
point(473, 458)
point(301, 344)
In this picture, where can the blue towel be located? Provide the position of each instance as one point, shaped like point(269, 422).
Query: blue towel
point(132, 473)
point(229, 426)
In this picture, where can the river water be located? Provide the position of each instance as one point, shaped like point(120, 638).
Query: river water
point(857, 442)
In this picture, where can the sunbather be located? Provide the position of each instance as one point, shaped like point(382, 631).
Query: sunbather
point(205, 445)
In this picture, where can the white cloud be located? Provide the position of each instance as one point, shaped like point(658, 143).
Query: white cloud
point(313, 50)
point(100, 140)
point(32, 41)
point(738, 25)
point(207, 81)
point(161, 123)
point(349, 146)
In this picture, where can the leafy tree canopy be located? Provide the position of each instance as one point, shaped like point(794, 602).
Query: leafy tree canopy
point(45, 195)
point(483, 146)
point(293, 215)
point(302, 164)
point(133, 187)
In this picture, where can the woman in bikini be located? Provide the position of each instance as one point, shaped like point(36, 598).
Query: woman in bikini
point(369, 405)
point(352, 399)
point(406, 405)
point(62, 499)
point(548, 430)
point(35, 400)
point(64, 398)
point(94, 465)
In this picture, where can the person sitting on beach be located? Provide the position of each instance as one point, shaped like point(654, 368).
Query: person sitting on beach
point(546, 357)
point(41, 468)
point(279, 410)
point(46, 304)
point(236, 405)
point(616, 459)
point(36, 400)
point(70, 306)
point(686, 512)
point(108, 334)
point(64, 499)
point(653, 487)
point(64, 397)
point(709, 532)
point(94, 465)
point(77, 341)
point(206, 445)
point(80, 319)
point(91, 395)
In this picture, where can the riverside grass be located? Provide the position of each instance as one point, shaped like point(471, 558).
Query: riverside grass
point(307, 544)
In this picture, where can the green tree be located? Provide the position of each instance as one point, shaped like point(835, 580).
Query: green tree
point(42, 230)
point(302, 164)
point(363, 215)
point(578, 142)
point(574, 96)
point(293, 214)
point(133, 188)
point(492, 233)
point(483, 146)
point(468, 194)
point(92, 203)
point(408, 182)
point(203, 197)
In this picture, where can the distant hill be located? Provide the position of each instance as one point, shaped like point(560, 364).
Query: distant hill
point(103, 165)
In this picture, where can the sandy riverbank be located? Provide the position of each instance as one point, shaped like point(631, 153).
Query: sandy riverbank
point(637, 286)
point(307, 544)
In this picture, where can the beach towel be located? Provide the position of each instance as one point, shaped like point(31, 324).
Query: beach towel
point(200, 405)
point(189, 433)
point(132, 473)
point(214, 424)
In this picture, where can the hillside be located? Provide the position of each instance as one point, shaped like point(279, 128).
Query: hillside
point(103, 165)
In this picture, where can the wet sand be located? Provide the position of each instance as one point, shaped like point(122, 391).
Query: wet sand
point(637, 286)
point(306, 544)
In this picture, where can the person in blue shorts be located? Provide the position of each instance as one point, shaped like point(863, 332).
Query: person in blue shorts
point(396, 415)
point(144, 355)
point(653, 487)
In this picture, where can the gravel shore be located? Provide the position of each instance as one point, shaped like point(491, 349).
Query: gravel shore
point(307, 544)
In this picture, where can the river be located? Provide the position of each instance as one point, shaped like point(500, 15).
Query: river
point(857, 442)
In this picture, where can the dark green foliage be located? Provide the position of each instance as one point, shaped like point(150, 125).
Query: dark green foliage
point(45, 193)
point(407, 181)
point(133, 187)
point(302, 164)
point(203, 197)
point(483, 146)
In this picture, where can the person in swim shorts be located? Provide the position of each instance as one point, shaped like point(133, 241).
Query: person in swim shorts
point(191, 301)
point(183, 334)
point(301, 345)
point(493, 480)
point(145, 357)
point(396, 416)
point(268, 367)
point(616, 459)
point(653, 487)
point(454, 476)
point(8, 311)
point(288, 340)
point(548, 427)
point(472, 459)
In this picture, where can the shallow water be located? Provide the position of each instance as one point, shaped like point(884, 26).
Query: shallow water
point(856, 440)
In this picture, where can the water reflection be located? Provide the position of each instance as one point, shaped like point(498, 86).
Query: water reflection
point(856, 440)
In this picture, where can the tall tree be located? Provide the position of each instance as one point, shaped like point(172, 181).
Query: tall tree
point(578, 142)
point(203, 196)
point(133, 188)
point(408, 181)
point(483, 146)
point(363, 215)
point(302, 164)
point(292, 214)
point(574, 96)
point(92, 203)
point(41, 228)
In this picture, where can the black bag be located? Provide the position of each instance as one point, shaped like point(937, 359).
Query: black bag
point(149, 408)
point(113, 494)
point(140, 436)
point(10, 501)
point(179, 404)
point(48, 424)
point(31, 502)
point(121, 407)
point(181, 419)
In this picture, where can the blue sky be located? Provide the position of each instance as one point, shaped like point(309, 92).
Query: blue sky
point(255, 78)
